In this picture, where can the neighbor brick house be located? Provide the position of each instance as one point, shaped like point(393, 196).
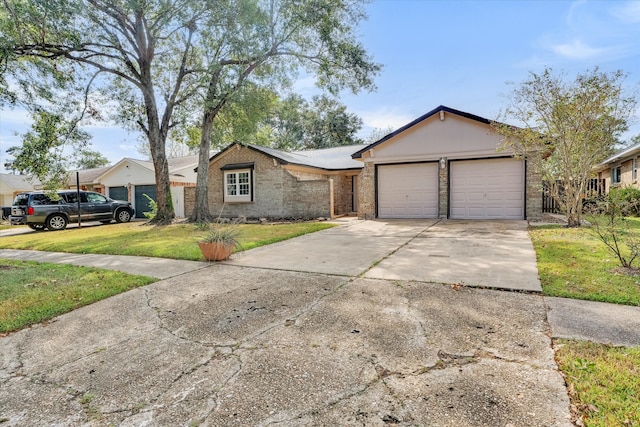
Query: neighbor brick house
point(446, 164)
point(620, 169)
point(261, 182)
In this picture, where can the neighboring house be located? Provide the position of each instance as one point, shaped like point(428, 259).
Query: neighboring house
point(621, 169)
point(256, 182)
point(446, 164)
point(10, 185)
point(131, 179)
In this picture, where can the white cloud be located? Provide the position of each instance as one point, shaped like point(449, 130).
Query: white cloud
point(628, 12)
point(384, 117)
point(578, 50)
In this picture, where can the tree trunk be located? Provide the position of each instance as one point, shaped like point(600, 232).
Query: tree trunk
point(157, 142)
point(201, 212)
point(165, 213)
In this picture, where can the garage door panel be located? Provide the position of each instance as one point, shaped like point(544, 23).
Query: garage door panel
point(487, 189)
point(408, 191)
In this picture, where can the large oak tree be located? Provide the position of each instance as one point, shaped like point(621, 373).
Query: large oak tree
point(160, 60)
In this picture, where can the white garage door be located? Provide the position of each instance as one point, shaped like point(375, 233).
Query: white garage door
point(487, 189)
point(408, 191)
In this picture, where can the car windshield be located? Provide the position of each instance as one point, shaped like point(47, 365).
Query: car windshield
point(21, 200)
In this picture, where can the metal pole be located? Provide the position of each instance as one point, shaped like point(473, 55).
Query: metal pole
point(78, 196)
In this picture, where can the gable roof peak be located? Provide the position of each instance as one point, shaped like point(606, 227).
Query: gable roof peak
point(437, 110)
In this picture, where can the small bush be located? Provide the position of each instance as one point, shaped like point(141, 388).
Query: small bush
point(627, 197)
point(153, 205)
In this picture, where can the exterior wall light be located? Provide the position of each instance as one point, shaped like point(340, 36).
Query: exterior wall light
point(443, 162)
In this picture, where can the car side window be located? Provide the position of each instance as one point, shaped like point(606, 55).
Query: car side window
point(96, 198)
point(71, 197)
point(41, 199)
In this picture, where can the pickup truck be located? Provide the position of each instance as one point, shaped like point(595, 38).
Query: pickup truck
point(40, 210)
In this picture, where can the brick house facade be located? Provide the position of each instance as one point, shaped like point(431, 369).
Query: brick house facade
point(260, 182)
point(621, 169)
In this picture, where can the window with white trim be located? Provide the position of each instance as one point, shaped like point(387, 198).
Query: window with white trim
point(238, 186)
point(616, 175)
point(635, 169)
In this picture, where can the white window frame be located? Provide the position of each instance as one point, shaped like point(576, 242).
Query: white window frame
point(233, 189)
point(634, 166)
point(616, 174)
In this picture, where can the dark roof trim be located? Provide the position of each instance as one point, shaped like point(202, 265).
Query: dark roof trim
point(358, 155)
point(237, 166)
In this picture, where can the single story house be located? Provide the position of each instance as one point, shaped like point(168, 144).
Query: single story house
point(130, 179)
point(446, 164)
point(620, 169)
point(11, 184)
point(255, 182)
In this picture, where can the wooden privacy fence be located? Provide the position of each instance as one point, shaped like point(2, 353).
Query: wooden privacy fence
point(595, 188)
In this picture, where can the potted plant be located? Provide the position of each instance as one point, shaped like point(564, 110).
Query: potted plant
point(219, 241)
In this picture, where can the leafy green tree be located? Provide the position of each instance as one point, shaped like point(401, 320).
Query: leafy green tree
point(85, 158)
point(296, 124)
point(42, 151)
point(137, 51)
point(158, 59)
point(328, 124)
point(567, 127)
point(265, 43)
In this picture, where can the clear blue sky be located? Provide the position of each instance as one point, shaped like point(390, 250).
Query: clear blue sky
point(456, 53)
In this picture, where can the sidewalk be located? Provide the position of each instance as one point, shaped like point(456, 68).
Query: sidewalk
point(594, 321)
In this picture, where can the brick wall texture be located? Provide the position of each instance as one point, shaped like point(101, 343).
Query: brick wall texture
point(367, 192)
point(277, 192)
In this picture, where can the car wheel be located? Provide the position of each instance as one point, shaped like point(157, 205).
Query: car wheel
point(123, 215)
point(56, 222)
point(36, 227)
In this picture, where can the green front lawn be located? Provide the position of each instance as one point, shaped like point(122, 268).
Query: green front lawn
point(573, 263)
point(176, 241)
point(32, 292)
point(603, 382)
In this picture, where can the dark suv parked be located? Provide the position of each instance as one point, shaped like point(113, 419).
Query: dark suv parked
point(39, 211)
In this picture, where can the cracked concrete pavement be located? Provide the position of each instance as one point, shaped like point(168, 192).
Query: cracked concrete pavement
point(232, 345)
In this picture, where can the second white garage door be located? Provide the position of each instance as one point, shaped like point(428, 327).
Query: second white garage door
point(408, 190)
point(487, 189)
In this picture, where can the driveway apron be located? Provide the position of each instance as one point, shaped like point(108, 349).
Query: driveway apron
point(347, 250)
point(496, 254)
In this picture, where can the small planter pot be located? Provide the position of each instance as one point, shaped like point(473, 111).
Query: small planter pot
point(216, 251)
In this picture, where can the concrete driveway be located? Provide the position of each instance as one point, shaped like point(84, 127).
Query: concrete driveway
point(238, 344)
point(495, 254)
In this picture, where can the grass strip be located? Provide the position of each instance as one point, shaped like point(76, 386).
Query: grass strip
point(176, 241)
point(573, 263)
point(32, 292)
point(603, 382)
